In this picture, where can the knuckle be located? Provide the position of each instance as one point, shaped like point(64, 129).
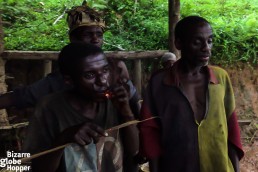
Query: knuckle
point(76, 138)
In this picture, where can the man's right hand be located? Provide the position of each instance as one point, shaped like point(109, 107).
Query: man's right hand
point(83, 134)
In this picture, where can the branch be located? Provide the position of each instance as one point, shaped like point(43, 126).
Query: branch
point(61, 16)
point(116, 46)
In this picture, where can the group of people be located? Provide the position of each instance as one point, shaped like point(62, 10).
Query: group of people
point(195, 129)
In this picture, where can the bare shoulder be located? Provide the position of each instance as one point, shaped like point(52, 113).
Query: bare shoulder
point(122, 66)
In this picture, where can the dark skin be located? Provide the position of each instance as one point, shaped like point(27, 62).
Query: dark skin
point(195, 53)
point(88, 34)
point(91, 79)
point(94, 35)
point(168, 63)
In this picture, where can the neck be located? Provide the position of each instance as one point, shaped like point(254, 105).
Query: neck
point(191, 69)
point(82, 105)
point(80, 97)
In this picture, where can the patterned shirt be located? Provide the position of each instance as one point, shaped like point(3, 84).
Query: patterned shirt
point(54, 114)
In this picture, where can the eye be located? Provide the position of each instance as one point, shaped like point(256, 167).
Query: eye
point(105, 69)
point(89, 75)
point(196, 41)
point(210, 41)
point(85, 35)
point(99, 34)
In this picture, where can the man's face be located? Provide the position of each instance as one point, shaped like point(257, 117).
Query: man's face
point(91, 78)
point(168, 63)
point(88, 34)
point(196, 47)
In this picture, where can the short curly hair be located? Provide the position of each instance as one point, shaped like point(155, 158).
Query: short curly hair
point(72, 53)
point(184, 25)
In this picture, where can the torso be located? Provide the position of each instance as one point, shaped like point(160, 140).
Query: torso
point(107, 154)
point(86, 109)
point(194, 88)
point(180, 134)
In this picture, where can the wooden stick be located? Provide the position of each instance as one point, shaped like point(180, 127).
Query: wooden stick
point(128, 124)
point(23, 160)
point(43, 153)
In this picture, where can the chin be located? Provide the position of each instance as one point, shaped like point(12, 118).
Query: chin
point(205, 63)
point(100, 98)
point(98, 45)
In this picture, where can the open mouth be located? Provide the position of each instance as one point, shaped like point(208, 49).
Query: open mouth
point(103, 93)
point(204, 58)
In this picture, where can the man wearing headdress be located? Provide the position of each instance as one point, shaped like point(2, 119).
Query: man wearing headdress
point(85, 25)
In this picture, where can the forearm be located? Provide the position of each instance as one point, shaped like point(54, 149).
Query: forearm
point(130, 135)
point(233, 157)
point(154, 165)
point(131, 139)
point(135, 105)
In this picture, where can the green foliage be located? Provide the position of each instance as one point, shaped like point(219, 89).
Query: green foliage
point(134, 25)
point(32, 25)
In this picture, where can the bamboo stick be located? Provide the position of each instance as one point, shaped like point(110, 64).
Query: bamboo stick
point(128, 124)
point(23, 160)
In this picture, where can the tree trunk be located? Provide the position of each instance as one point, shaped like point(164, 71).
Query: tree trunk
point(3, 87)
point(174, 14)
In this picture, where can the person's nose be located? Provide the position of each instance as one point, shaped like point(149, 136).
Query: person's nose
point(101, 80)
point(206, 47)
point(94, 38)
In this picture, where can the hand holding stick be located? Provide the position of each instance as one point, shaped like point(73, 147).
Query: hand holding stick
point(23, 160)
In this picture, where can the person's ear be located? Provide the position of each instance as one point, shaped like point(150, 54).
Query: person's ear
point(68, 79)
point(72, 38)
point(178, 44)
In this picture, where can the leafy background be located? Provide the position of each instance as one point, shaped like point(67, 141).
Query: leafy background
point(134, 25)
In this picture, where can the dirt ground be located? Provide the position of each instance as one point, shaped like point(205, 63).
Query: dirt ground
point(250, 161)
point(245, 84)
